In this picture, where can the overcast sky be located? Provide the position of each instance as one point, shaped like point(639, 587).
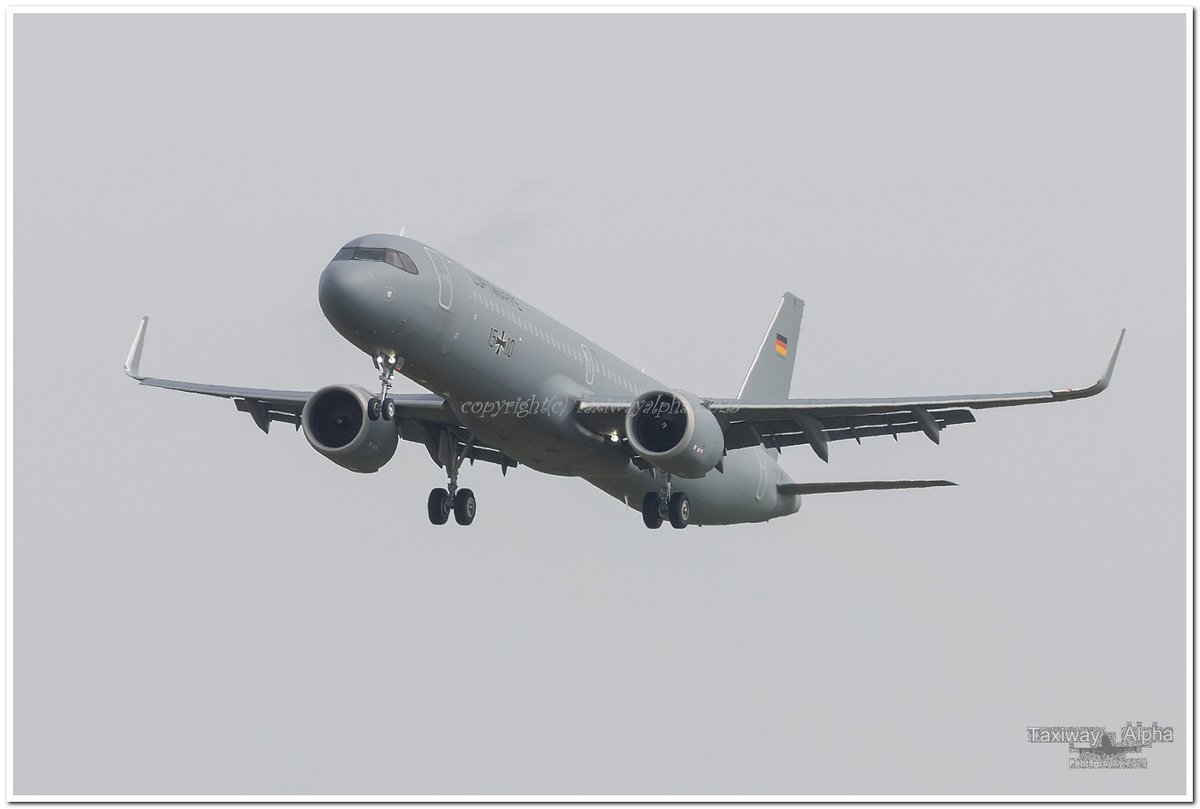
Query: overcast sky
point(970, 203)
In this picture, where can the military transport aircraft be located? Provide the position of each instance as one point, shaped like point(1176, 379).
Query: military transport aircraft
point(511, 385)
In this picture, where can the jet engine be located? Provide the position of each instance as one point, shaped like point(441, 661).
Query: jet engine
point(675, 432)
point(335, 423)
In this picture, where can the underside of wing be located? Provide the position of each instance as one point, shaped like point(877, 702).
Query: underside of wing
point(424, 418)
point(802, 428)
point(266, 406)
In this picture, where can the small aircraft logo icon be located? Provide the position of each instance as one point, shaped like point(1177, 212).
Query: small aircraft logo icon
point(1106, 747)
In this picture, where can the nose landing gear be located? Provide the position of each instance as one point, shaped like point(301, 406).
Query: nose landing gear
point(382, 405)
point(663, 504)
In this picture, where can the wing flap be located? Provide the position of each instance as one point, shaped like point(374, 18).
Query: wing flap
point(779, 433)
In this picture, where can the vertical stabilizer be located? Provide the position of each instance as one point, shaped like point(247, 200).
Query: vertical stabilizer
point(770, 375)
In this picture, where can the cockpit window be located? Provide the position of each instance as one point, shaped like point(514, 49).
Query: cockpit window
point(394, 257)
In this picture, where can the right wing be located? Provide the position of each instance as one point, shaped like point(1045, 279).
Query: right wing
point(421, 417)
point(266, 405)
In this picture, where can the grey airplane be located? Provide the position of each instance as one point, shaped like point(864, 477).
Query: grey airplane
point(513, 386)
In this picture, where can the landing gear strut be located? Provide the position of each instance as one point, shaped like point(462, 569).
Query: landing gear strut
point(664, 504)
point(382, 405)
point(452, 498)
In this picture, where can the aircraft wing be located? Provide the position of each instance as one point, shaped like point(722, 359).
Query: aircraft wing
point(816, 422)
point(420, 417)
point(266, 406)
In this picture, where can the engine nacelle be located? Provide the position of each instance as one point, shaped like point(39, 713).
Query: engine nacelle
point(675, 432)
point(335, 422)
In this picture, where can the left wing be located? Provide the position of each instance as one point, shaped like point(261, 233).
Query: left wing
point(816, 422)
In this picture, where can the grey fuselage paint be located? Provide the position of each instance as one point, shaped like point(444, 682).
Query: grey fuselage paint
point(513, 376)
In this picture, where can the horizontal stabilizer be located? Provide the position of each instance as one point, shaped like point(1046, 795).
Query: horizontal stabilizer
point(858, 486)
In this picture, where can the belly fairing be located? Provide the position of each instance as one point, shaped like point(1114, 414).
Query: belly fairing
point(541, 430)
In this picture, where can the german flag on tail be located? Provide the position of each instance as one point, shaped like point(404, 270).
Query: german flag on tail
point(770, 376)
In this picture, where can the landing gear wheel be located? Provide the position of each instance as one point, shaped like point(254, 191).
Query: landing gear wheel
point(652, 510)
point(680, 509)
point(464, 506)
point(373, 409)
point(439, 506)
point(389, 410)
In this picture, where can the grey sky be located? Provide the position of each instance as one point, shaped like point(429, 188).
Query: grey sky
point(967, 203)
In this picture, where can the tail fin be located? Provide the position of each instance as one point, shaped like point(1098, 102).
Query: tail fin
point(770, 375)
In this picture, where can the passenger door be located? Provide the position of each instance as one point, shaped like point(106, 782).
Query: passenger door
point(445, 285)
point(589, 367)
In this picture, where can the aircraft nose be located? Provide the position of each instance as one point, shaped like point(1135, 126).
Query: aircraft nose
point(345, 290)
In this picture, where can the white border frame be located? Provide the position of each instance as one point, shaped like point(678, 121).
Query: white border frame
point(1186, 796)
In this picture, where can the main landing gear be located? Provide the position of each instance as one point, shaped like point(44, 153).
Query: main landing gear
point(441, 503)
point(452, 498)
point(382, 405)
point(663, 504)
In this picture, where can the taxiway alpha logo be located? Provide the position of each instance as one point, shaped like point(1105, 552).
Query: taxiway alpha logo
point(1100, 749)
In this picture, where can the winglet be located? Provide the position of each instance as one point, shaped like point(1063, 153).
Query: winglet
point(1101, 384)
point(1112, 363)
point(135, 351)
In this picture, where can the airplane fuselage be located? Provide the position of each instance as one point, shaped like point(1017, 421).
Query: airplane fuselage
point(513, 375)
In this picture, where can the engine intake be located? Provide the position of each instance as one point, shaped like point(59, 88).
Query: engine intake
point(335, 423)
point(675, 432)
